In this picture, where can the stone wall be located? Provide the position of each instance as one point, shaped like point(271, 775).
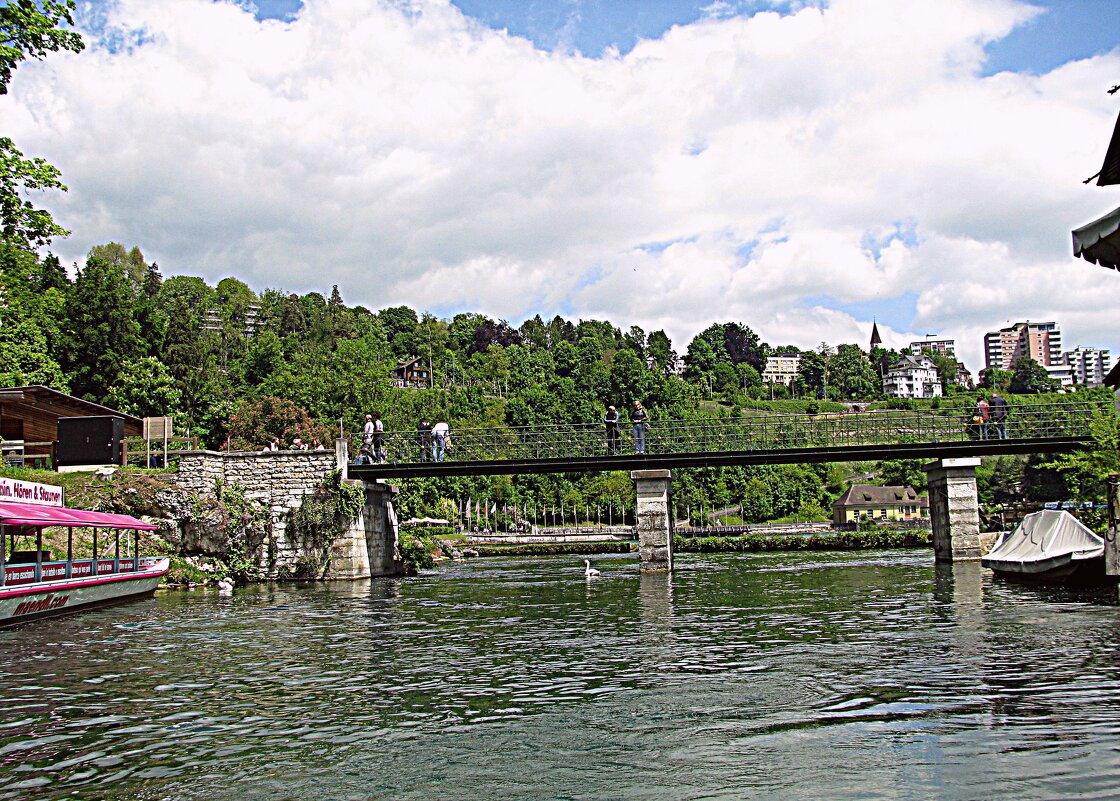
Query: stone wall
point(276, 479)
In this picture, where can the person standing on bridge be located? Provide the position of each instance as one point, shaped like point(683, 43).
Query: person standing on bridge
point(378, 438)
point(441, 432)
point(424, 439)
point(639, 418)
point(983, 412)
point(612, 421)
point(1000, 411)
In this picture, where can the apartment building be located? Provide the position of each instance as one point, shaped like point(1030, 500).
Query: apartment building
point(935, 347)
point(1039, 341)
point(1088, 366)
point(781, 369)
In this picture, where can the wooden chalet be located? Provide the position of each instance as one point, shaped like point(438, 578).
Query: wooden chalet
point(412, 374)
point(29, 420)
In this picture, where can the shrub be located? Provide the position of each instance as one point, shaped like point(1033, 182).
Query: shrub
point(415, 553)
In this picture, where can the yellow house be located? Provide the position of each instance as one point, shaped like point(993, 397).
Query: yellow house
point(865, 502)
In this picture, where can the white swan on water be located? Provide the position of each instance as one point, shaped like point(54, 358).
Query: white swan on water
point(588, 570)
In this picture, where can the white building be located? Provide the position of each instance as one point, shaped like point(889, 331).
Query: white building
point(935, 347)
point(781, 369)
point(913, 377)
point(1088, 366)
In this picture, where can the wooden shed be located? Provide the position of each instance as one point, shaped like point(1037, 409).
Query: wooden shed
point(29, 415)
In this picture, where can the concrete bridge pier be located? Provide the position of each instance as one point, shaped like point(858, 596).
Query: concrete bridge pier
point(954, 509)
point(654, 489)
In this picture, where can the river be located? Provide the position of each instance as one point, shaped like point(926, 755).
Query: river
point(776, 676)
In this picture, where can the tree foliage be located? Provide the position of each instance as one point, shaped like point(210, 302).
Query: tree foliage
point(29, 29)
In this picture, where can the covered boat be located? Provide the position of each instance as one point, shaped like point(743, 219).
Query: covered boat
point(34, 585)
point(1051, 545)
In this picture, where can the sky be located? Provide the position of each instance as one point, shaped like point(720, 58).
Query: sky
point(803, 167)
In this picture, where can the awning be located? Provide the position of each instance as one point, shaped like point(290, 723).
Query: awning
point(30, 514)
point(1099, 241)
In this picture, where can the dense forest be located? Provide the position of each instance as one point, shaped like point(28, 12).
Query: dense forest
point(235, 367)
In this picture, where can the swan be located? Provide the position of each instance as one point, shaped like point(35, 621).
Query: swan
point(225, 586)
point(588, 570)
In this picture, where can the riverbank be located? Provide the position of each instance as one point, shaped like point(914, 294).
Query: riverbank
point(879, 539)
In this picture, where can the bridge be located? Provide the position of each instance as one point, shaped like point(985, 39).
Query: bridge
point(755, 439)
point(946, 436)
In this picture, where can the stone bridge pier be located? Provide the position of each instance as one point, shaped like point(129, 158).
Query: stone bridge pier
point(369, 547)
point(954, 509)
point(654, 489)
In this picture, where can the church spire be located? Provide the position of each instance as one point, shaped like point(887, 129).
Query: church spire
point(876, 340)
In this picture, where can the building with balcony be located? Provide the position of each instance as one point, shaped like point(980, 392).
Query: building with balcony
point(1088, 366)
point(913, 377)
point(781, 369)
point(935, 347)
point(1039, 341)
point(412, 373)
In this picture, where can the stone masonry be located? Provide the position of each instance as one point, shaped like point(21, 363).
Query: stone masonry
point(954, 509)
point(655, 524)
point(276, 479)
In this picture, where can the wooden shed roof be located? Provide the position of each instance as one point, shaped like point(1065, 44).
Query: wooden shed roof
point(39, 402)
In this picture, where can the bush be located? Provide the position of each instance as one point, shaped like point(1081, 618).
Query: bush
point(415, 552)
point(554, 548)
point(840, 541)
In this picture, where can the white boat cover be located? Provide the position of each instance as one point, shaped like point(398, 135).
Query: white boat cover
point(1044, 541)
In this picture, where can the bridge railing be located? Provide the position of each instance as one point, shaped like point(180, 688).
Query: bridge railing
point(763, 431)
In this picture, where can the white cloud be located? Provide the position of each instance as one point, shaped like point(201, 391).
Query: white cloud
point(410, 155)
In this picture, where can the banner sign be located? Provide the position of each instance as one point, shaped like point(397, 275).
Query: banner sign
point(12, 489)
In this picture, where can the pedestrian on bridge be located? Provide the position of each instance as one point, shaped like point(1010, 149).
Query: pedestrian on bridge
point(1000, 410)
point(639, 418)
point(441, 435)
point(613, 435)
point(983, 412)
point(424, 439)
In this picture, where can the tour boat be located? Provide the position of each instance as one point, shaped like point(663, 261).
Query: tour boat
point(34, 586)
point(1049, 546)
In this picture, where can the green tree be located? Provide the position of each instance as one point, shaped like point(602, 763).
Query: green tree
point(811, 374)
point(996, 379)
point(24, 355)
point(29, 29)
point(902, 473)
point(851, 375)
point(629, 378)
point(102, 333)
point(660, 348)
point(131, 262)
point(1028, 377)
point(145, 388)
point(1085, 470)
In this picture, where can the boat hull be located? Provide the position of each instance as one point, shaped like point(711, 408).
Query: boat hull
point(1083, 572)
point(26, 603)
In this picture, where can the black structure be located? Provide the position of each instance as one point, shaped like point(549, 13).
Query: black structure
point(760, 439)
point(89, 441)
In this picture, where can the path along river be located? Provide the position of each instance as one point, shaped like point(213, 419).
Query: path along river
point(816, 676)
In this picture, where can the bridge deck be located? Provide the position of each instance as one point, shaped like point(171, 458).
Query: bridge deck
point(760, 439)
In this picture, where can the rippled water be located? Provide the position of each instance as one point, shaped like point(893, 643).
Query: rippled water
point(858, 676)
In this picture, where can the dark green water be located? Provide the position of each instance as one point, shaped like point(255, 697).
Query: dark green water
point(858, 676)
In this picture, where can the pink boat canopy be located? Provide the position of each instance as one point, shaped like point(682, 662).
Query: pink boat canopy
point(29, 514)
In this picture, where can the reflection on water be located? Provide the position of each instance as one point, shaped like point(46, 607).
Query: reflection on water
point(841, 676)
